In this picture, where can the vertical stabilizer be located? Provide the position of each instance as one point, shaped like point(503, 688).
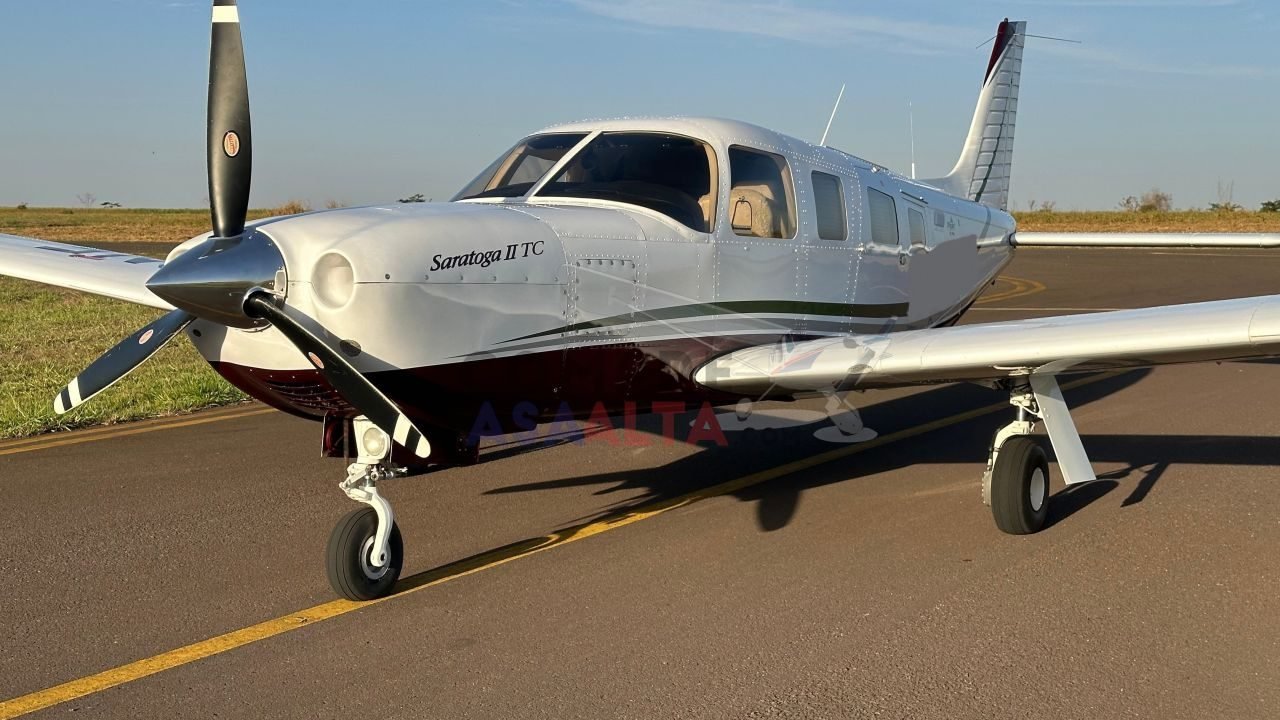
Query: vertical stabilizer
point(982, 172)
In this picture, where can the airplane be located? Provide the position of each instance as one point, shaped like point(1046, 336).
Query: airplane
point(615, 264)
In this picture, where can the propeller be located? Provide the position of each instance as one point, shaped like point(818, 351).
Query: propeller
point(230, 140)
point(120, 360)
point(236, 277)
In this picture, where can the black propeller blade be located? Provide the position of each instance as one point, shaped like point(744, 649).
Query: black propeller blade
point(230, 147)
point(344, 378)
point(230, 141)
point(216, 281)
point(120, 360)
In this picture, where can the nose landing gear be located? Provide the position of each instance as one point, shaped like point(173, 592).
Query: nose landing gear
point(365, 553)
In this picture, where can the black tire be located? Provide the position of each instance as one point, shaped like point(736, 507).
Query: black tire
point(1015, 489)
point(351, 537)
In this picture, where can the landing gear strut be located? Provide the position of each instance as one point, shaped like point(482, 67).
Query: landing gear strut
point(365, 552)
point(1016, 483)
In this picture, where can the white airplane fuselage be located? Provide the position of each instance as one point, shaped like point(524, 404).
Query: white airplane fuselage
point(550, 303)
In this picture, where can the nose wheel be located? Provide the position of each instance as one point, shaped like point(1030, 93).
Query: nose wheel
point(354, 571)
point(365, 552)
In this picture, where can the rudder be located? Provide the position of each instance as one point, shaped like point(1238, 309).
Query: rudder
point(982, 173)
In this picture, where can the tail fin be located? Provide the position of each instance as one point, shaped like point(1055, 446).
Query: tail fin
point(982, 172)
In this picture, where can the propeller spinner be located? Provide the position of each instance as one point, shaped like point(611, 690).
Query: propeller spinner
point(237, 277)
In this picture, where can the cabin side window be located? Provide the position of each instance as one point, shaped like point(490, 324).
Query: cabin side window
point(882, 213)
point(915, 223)
point(762, 200)
point(828, 206)
point(669, 174)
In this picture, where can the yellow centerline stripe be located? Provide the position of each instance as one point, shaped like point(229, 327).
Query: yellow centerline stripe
point(139, 669)
point(45, 442)
point(210, 412)
point(1021, 288)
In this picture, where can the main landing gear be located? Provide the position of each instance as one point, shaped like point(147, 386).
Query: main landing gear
point(1016, 483)
point(365, 552)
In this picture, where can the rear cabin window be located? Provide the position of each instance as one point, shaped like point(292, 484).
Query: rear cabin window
point(516, 171)
point(669, 174)
point(828, 204)
point(762, 200)
point(883, 216)
point(915, 222)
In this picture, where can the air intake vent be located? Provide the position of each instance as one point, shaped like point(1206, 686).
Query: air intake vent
point(310, 395)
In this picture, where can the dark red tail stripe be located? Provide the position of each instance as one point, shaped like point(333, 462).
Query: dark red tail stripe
point(1002, 41)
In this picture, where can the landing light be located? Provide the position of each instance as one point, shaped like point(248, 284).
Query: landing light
point(374, 443)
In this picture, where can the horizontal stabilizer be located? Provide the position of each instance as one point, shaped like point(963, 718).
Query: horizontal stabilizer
point(1162, 240)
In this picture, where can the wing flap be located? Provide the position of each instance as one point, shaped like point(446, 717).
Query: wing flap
point(100, 272)
point(1198, 332)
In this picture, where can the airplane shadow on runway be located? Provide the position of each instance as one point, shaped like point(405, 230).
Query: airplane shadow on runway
point(777, 501)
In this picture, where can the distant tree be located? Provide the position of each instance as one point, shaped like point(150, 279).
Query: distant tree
point(111, 204)
point(1226, 198)
point(1155, 201)
point(334, 204)
point(87, 199)
point(292, 207)
point(414, 198)
point(1151, 201)
point(22, 206)
point(1048, 206)
point(1270, 206)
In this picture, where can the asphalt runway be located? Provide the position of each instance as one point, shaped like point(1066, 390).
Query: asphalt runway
point(174, 568)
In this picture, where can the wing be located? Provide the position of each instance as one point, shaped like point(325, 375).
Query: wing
point(101, 272)
point(1166, 240)
point(1219, 330)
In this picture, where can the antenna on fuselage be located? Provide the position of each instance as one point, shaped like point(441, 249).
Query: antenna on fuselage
point(831, 119)
point(911, 120)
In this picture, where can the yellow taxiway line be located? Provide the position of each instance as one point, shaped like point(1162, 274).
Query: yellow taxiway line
point(43, 442)
point(1021, 288)
point(145, 667)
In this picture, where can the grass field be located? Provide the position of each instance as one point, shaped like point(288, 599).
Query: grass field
point(1184, 221)
point(75, 225)
point(48, 335)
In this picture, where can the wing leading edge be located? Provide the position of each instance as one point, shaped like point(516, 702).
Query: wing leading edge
point(1219, 330)
point(100, 272)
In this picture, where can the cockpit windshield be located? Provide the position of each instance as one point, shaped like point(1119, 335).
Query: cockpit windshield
point(670, 174)
point(514, 173)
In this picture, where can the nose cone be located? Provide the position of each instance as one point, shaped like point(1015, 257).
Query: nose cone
point(212, 279)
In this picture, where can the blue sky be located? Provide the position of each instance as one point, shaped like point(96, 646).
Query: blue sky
point(368, 101)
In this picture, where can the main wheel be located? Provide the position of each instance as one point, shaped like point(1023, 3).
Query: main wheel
point(1020, 486)
point(349, 557)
